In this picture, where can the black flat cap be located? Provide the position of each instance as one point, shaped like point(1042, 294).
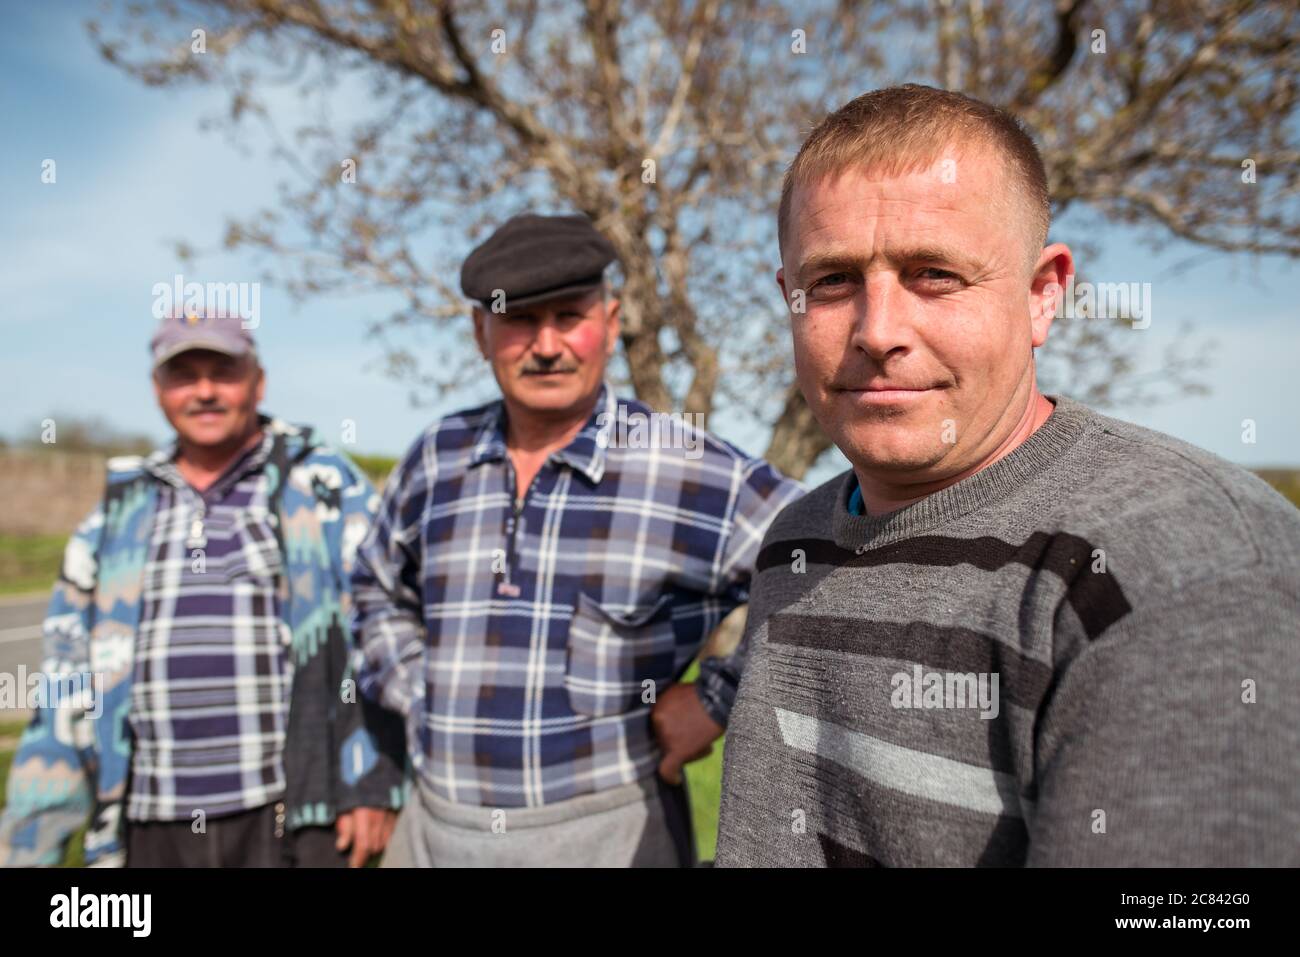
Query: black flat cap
point(532, 258)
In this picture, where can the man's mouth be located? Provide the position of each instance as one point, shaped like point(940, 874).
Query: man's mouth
point(884, 393)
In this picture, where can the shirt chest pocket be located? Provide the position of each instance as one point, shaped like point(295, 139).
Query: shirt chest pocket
point(255, 555)
point(614, 658)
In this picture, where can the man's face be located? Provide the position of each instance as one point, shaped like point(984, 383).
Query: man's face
point(550, 356)
point(915, 350)
point(210, 398)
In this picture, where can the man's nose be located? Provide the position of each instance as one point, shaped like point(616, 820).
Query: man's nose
point(883, 324)
point(547, 342)
point(204, 388)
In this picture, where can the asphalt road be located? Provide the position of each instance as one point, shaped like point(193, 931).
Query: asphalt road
point(20, 638)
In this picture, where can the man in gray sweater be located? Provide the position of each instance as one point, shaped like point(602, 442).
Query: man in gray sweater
point(1016, 631)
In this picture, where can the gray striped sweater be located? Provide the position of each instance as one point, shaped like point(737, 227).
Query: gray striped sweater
point(1087, 653)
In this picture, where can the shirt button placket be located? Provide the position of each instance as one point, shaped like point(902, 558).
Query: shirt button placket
point(197, 537)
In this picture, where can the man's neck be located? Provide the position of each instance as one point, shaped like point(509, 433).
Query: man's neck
point(539, 434)
point(880, 498)
point(201, 465)
point(531, 438)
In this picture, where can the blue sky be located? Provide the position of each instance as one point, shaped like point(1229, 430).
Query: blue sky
point(78, 260)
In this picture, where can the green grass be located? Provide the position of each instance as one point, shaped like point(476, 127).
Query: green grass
point(376, 467)
point(29, 562)
point(9, 732)
point(704, 788)
point(1286, 481)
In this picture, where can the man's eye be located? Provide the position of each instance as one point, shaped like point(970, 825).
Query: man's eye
point(935, 273)
point(831, 281)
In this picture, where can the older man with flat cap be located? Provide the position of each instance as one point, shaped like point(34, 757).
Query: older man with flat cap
point(539, 578)
point(207, 598)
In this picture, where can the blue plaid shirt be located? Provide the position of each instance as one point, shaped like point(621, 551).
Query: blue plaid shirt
point(525, 642)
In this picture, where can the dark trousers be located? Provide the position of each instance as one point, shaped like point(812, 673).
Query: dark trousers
point(254, 838)
point(677, 815)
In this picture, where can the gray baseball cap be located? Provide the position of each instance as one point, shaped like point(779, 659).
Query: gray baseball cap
point(177, 334)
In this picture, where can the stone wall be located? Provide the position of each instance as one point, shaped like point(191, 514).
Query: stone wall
point(47, 492)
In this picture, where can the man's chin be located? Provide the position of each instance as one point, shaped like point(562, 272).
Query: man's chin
point(886, 451)
point(208, 436)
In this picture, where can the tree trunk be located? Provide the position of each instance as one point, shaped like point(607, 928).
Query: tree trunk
point(797, 440)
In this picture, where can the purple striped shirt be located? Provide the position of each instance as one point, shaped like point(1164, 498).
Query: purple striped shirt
point(210, 697)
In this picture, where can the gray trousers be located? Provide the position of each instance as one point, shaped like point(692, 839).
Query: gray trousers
point(644, 824)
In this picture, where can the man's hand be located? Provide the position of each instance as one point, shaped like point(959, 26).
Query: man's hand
point(366, 830)
point(683, 728)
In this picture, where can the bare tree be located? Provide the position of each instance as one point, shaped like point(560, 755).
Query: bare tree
point(670, 124)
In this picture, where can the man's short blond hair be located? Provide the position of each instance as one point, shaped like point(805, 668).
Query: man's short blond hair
point(907, 128)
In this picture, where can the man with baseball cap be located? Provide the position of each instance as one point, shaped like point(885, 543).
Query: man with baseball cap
point(207, 597)
point(539, 578)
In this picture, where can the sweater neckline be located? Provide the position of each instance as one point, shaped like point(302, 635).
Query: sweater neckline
point(1068, 423)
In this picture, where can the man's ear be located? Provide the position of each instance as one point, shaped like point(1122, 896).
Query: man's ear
point(1047, 287)
point(613, 325)
point(480, 333)
point(261, 383)
point(780, 281)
